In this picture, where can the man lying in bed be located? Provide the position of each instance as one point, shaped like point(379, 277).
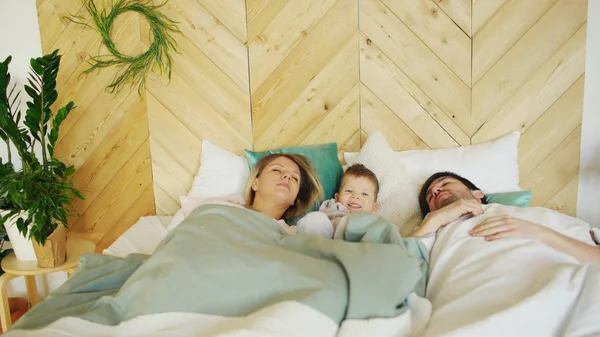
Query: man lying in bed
point(499, 270)
point(446, 197)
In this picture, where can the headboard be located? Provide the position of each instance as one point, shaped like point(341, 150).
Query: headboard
point(263, 74)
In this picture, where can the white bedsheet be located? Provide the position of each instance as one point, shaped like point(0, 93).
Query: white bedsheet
point(283, 319)
point(286, 319)
point(142, 237)
point(511, 287)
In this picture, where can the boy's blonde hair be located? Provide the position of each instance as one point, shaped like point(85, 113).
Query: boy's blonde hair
point(310, 187)
point(358, 171)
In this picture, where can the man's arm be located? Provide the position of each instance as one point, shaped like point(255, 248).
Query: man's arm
point(445, 215)
point(507, 226)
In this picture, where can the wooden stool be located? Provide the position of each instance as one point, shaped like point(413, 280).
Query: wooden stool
point(29, 269)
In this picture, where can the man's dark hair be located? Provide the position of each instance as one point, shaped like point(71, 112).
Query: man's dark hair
point(423, 194)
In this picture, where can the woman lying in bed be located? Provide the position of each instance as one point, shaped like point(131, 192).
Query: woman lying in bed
point(282, 186)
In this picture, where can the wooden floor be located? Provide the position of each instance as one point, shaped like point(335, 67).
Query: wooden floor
point(262, 74)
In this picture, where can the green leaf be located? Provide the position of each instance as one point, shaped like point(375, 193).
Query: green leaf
point(61, 114)
point(50, 149)
point(58, 172)
point(47, 115)
point(70, 170)
point(30, 91)
point(33, 85)
point(15, 97)
point(50, 98)
point(35, 65)
point(78, 194)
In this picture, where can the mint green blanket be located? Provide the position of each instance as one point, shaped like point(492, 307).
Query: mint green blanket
point(231, 261)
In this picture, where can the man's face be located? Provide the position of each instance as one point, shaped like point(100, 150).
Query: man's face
point(446, 190)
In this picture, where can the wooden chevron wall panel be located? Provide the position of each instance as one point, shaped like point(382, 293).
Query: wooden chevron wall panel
point(206, 98)
point(304, 73)
point(415, 61)
point(106, 136)
point(528, 70)
point(270, 73)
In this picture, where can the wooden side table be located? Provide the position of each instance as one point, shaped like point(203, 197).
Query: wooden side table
point(29, 269)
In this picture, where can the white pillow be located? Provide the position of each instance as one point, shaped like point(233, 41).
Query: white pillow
point(221, 174)
point(398, 193)
point(491, 166)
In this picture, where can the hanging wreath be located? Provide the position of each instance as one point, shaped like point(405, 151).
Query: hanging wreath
point(133, 68)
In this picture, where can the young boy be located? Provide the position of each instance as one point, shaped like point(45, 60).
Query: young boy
point(358, 192)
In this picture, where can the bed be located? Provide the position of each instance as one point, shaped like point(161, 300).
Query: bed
point(217, 269)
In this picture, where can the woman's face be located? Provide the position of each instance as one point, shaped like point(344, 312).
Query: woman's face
point(279, 181)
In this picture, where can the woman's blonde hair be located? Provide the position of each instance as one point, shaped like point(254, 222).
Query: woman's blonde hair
point(310, 186)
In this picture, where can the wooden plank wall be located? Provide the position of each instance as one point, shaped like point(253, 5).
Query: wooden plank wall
point(106, 136)
point(268, 73)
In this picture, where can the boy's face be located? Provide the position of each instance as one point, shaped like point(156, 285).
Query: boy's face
point(357, 194)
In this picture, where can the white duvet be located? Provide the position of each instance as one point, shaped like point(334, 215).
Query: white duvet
point(514, 286)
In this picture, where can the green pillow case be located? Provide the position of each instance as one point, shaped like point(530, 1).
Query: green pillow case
point(323, 158)
point(516, 198)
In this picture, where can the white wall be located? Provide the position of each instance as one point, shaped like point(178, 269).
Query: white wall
point(588, 202)
point(20, 37)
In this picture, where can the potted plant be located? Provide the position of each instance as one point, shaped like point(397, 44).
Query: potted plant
point(22, 245)
point(8, 115)
point(42, 188)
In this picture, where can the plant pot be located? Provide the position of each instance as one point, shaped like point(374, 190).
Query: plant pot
point(18, 307)
point(54, 252)
point(22, 246)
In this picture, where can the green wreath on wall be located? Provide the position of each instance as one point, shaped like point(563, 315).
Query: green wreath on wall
point(133, 68)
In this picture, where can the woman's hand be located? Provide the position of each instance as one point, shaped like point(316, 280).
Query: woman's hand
point(507, 226)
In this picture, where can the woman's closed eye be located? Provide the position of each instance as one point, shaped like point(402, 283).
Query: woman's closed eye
point(293, 176)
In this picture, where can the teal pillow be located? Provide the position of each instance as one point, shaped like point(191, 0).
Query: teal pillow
point(516, 198)
point(324, 159)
